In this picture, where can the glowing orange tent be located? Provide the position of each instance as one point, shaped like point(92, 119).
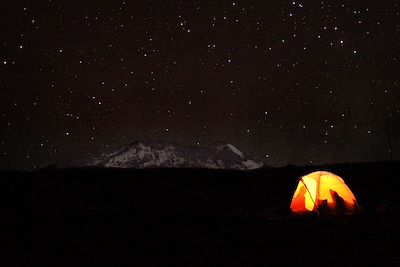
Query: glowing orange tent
point(323, 192)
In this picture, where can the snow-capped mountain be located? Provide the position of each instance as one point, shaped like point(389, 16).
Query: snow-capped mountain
point(141, 155)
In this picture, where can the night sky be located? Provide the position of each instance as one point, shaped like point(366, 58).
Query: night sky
point(292, 82)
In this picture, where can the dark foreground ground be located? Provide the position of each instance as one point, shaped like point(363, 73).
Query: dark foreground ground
point(193, 217)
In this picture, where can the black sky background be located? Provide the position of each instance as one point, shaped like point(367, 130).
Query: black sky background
point(289, 82)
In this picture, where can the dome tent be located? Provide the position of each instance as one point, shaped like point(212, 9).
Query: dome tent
point(323, 192)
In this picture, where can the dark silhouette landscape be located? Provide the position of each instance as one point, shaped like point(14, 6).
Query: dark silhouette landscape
point(112, 217)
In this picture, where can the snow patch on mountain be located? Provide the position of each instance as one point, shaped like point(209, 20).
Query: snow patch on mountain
point(234, 149)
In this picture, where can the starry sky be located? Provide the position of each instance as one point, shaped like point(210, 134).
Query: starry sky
point(288, 82)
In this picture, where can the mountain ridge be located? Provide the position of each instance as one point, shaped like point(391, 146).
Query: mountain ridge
point(162, 154)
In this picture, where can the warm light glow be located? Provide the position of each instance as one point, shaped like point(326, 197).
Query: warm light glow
point(310, 196)
point(323, 191)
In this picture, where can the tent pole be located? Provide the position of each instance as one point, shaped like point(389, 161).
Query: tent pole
point(309, 193)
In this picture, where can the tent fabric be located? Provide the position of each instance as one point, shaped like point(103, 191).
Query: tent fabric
point(323, 192)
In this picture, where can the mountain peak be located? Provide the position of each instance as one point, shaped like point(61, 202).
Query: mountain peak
point(142, 155)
